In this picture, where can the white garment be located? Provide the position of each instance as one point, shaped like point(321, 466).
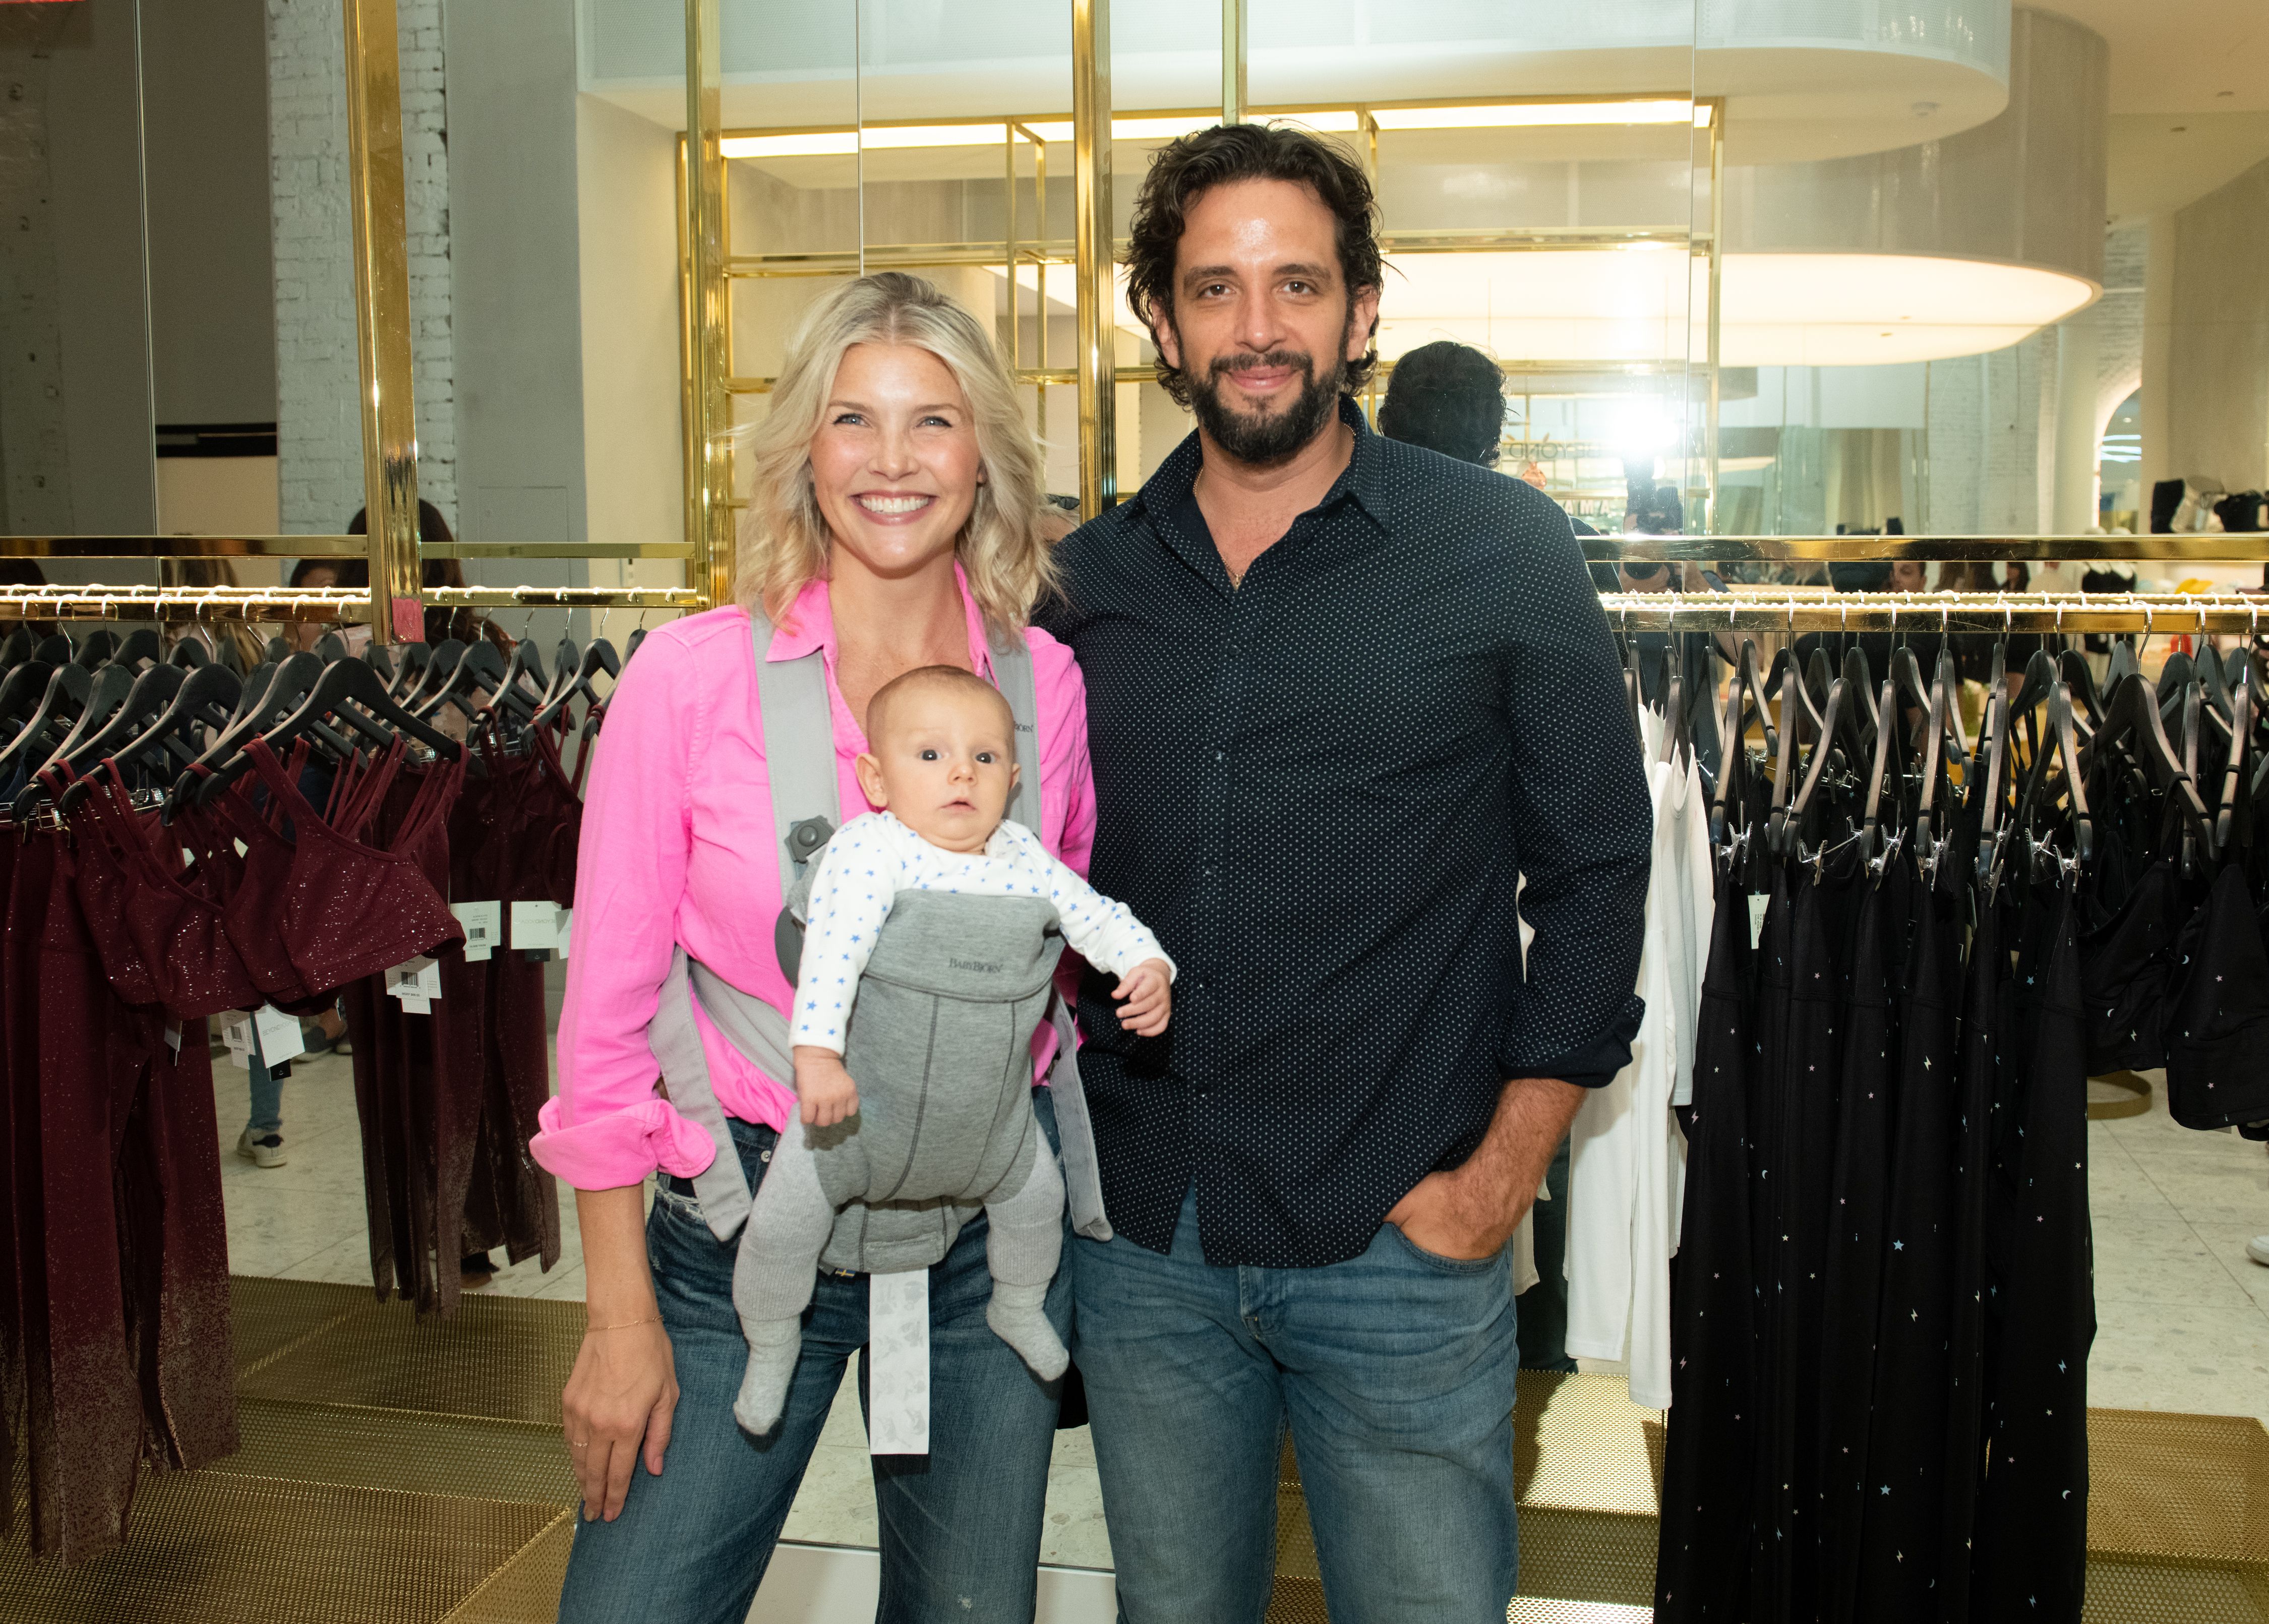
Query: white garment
point(1627, 1161)
point(874, 857)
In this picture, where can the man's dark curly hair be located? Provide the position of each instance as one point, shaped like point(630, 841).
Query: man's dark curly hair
point(1186, 169)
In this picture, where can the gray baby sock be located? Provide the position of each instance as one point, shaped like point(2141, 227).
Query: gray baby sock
point(1018, 1316)
point(774, 1346)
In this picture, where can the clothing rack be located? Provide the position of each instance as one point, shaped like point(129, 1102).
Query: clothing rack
point(2207, 548)
point(346, 606)
point(1924, 612)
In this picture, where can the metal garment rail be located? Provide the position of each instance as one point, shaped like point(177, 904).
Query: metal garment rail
point(2215, 548)
point(348, 606)
point(1925, 612)
point(313, 547)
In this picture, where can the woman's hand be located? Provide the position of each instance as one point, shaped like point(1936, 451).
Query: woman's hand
point(623, 1394)
point(1146, 998)
point(823, 1087)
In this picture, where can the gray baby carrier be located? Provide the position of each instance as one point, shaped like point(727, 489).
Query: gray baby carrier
point(952, 992)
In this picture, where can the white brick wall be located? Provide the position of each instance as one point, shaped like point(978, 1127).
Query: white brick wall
point(319, 426)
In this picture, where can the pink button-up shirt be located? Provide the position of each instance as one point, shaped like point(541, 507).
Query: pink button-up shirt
point(678, 849)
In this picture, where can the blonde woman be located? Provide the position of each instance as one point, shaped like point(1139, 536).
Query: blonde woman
point(895, 523)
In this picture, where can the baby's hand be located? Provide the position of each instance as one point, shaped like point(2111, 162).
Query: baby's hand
point(823, 1087)
point(1146, 998)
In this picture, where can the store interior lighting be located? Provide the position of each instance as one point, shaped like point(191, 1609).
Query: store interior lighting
point(1614, 306)
point(1522, 115)
point(1610, 305)
point(1165, 127)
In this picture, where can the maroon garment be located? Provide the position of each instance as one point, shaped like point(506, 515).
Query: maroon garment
point(140, 896)
point(131, 1237)
point(19, 1037)
point(31, 1401)
point(85, 1093)
point(316, 908)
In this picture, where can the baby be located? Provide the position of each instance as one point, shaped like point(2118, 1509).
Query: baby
point(932, 936)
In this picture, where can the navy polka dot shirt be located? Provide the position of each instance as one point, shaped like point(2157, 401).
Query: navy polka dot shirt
point(1322, 787)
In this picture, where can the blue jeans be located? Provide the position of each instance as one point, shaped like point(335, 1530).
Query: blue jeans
point(960, 1526)
point(1396, 1372)
point(267, 1098)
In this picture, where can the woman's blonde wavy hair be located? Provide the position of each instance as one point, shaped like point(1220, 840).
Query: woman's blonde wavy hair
point(784, 541)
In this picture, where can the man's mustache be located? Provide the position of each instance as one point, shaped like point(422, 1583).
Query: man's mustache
point(1228, 363)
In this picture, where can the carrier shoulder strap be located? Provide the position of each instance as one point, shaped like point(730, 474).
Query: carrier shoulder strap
point(1012, 674)
point(799, 750)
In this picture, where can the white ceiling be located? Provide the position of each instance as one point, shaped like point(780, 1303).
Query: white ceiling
point(2189, 95)
point(2181, 56)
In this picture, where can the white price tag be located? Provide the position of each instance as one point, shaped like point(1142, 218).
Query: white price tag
point(566, 928)
point(174, 1038)
point(483, 926)
point(1757, 906)
point(278, 1035)
point(534, 926)
point(897, 1370)
point(417, 983)
point(236, 1032)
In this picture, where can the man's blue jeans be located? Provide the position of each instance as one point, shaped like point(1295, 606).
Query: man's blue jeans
point(960, 1526)
point(1395, 1371)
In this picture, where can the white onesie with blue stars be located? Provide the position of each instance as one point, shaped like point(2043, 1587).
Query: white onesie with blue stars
point(874, 857)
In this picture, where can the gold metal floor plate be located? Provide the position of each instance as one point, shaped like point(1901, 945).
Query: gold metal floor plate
point(394, 1473)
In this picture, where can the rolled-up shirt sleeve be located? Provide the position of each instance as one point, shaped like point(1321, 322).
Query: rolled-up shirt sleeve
point(1582, 827)
point(607, 1127)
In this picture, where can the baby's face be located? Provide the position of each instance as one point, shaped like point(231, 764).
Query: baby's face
point(944, 765)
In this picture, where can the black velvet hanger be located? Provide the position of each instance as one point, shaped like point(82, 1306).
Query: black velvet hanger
point(61, 705)
point(2132, 729)
point(352, 692)
point(97, 736)
point(600, 656)
point(440, 661)
point(138, 646)
point(206, 697)
point(96, 650)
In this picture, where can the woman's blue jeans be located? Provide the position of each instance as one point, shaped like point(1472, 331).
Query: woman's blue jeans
point(960, 1527)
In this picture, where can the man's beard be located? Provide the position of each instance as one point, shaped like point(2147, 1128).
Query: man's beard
point(1264, 439)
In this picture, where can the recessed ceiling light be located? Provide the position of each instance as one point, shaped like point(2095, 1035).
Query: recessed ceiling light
point(1643, 110)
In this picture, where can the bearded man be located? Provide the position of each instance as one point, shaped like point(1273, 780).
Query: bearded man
point(1346, 697)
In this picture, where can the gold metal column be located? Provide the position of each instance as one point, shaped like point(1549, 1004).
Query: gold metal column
point(381, 290)
point(1716, 307)
point(1232, 62)
point(1090, 123)
point(708, 406)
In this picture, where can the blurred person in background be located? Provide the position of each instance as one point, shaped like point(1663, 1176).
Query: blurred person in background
point(1450, 398)
point(1447, 397)
point(434, 530)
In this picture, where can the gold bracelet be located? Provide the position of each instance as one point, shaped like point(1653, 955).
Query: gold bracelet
point(651, 1320)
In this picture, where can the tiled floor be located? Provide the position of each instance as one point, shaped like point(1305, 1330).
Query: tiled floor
point(304, 1221)
point(2183, 1313)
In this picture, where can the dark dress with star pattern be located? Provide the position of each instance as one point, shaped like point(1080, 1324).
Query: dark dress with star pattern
point(1902, 1479)
point(1701, 1570)
point(2030, 1554)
